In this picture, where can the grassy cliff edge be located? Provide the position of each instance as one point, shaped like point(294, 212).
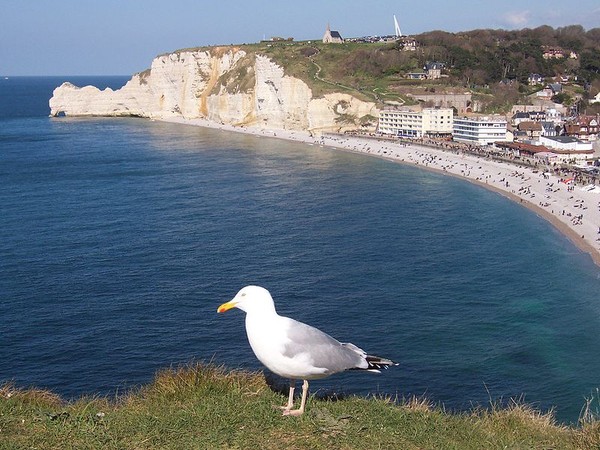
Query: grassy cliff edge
point(203, 406)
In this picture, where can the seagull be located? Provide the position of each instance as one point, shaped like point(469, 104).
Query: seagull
point(294, 350)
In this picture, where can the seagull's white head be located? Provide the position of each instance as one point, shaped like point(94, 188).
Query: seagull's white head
point(251, 299)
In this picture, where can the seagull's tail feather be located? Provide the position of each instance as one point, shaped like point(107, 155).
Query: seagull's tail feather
point(374, 363)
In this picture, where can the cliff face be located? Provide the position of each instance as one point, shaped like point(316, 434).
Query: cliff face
point(221, 85)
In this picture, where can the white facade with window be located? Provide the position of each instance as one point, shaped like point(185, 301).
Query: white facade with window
point(428, 122)
point(479, 130)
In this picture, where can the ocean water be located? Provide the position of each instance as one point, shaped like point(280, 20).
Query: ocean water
point(120, 237)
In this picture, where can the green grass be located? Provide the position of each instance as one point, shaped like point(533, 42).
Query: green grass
point(208, 407)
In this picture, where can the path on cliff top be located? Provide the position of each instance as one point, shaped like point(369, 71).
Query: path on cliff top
point(337, 84)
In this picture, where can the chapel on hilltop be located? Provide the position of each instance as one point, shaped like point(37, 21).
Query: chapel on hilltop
point(332, 37)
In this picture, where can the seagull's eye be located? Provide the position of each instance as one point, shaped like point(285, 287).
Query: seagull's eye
point(243, 294)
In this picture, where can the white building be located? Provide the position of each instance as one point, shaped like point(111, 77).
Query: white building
point(553, 149)
point(570, 144)
point(428, 122)
point(480, 130)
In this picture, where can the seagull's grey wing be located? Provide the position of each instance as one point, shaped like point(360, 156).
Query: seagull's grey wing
point(322, 350)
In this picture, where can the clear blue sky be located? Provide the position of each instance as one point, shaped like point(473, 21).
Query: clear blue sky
point(120, 37)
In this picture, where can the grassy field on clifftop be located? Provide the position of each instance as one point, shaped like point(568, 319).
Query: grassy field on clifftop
point(208, 407)
point(493, 65)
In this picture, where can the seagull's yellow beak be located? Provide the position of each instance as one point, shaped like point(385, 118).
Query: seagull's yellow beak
point(226, 306)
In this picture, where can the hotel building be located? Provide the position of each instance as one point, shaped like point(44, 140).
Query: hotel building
point(479, 130)
point(406, 123)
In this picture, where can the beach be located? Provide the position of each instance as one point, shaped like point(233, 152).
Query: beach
point(572, 209)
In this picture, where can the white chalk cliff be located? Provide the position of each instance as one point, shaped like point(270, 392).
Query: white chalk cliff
point(223, 85)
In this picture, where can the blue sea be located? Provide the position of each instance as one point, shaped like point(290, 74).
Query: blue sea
point(120, 237)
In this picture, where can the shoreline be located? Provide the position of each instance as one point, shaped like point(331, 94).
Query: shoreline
point(572, 211)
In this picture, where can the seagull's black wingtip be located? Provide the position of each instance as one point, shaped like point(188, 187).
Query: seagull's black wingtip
point(377, 363)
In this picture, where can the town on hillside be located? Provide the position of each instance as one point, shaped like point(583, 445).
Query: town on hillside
point(550, 77)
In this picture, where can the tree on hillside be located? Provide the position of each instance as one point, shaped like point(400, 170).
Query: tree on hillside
point(513, 54)
point(590, 64)
point(592, 38)
point(571, 37)
point(544, 34)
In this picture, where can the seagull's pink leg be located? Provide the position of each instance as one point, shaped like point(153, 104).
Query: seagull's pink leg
point(299, 411)
point(290, 403)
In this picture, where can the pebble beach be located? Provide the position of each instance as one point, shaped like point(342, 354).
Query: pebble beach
point(574, 209)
